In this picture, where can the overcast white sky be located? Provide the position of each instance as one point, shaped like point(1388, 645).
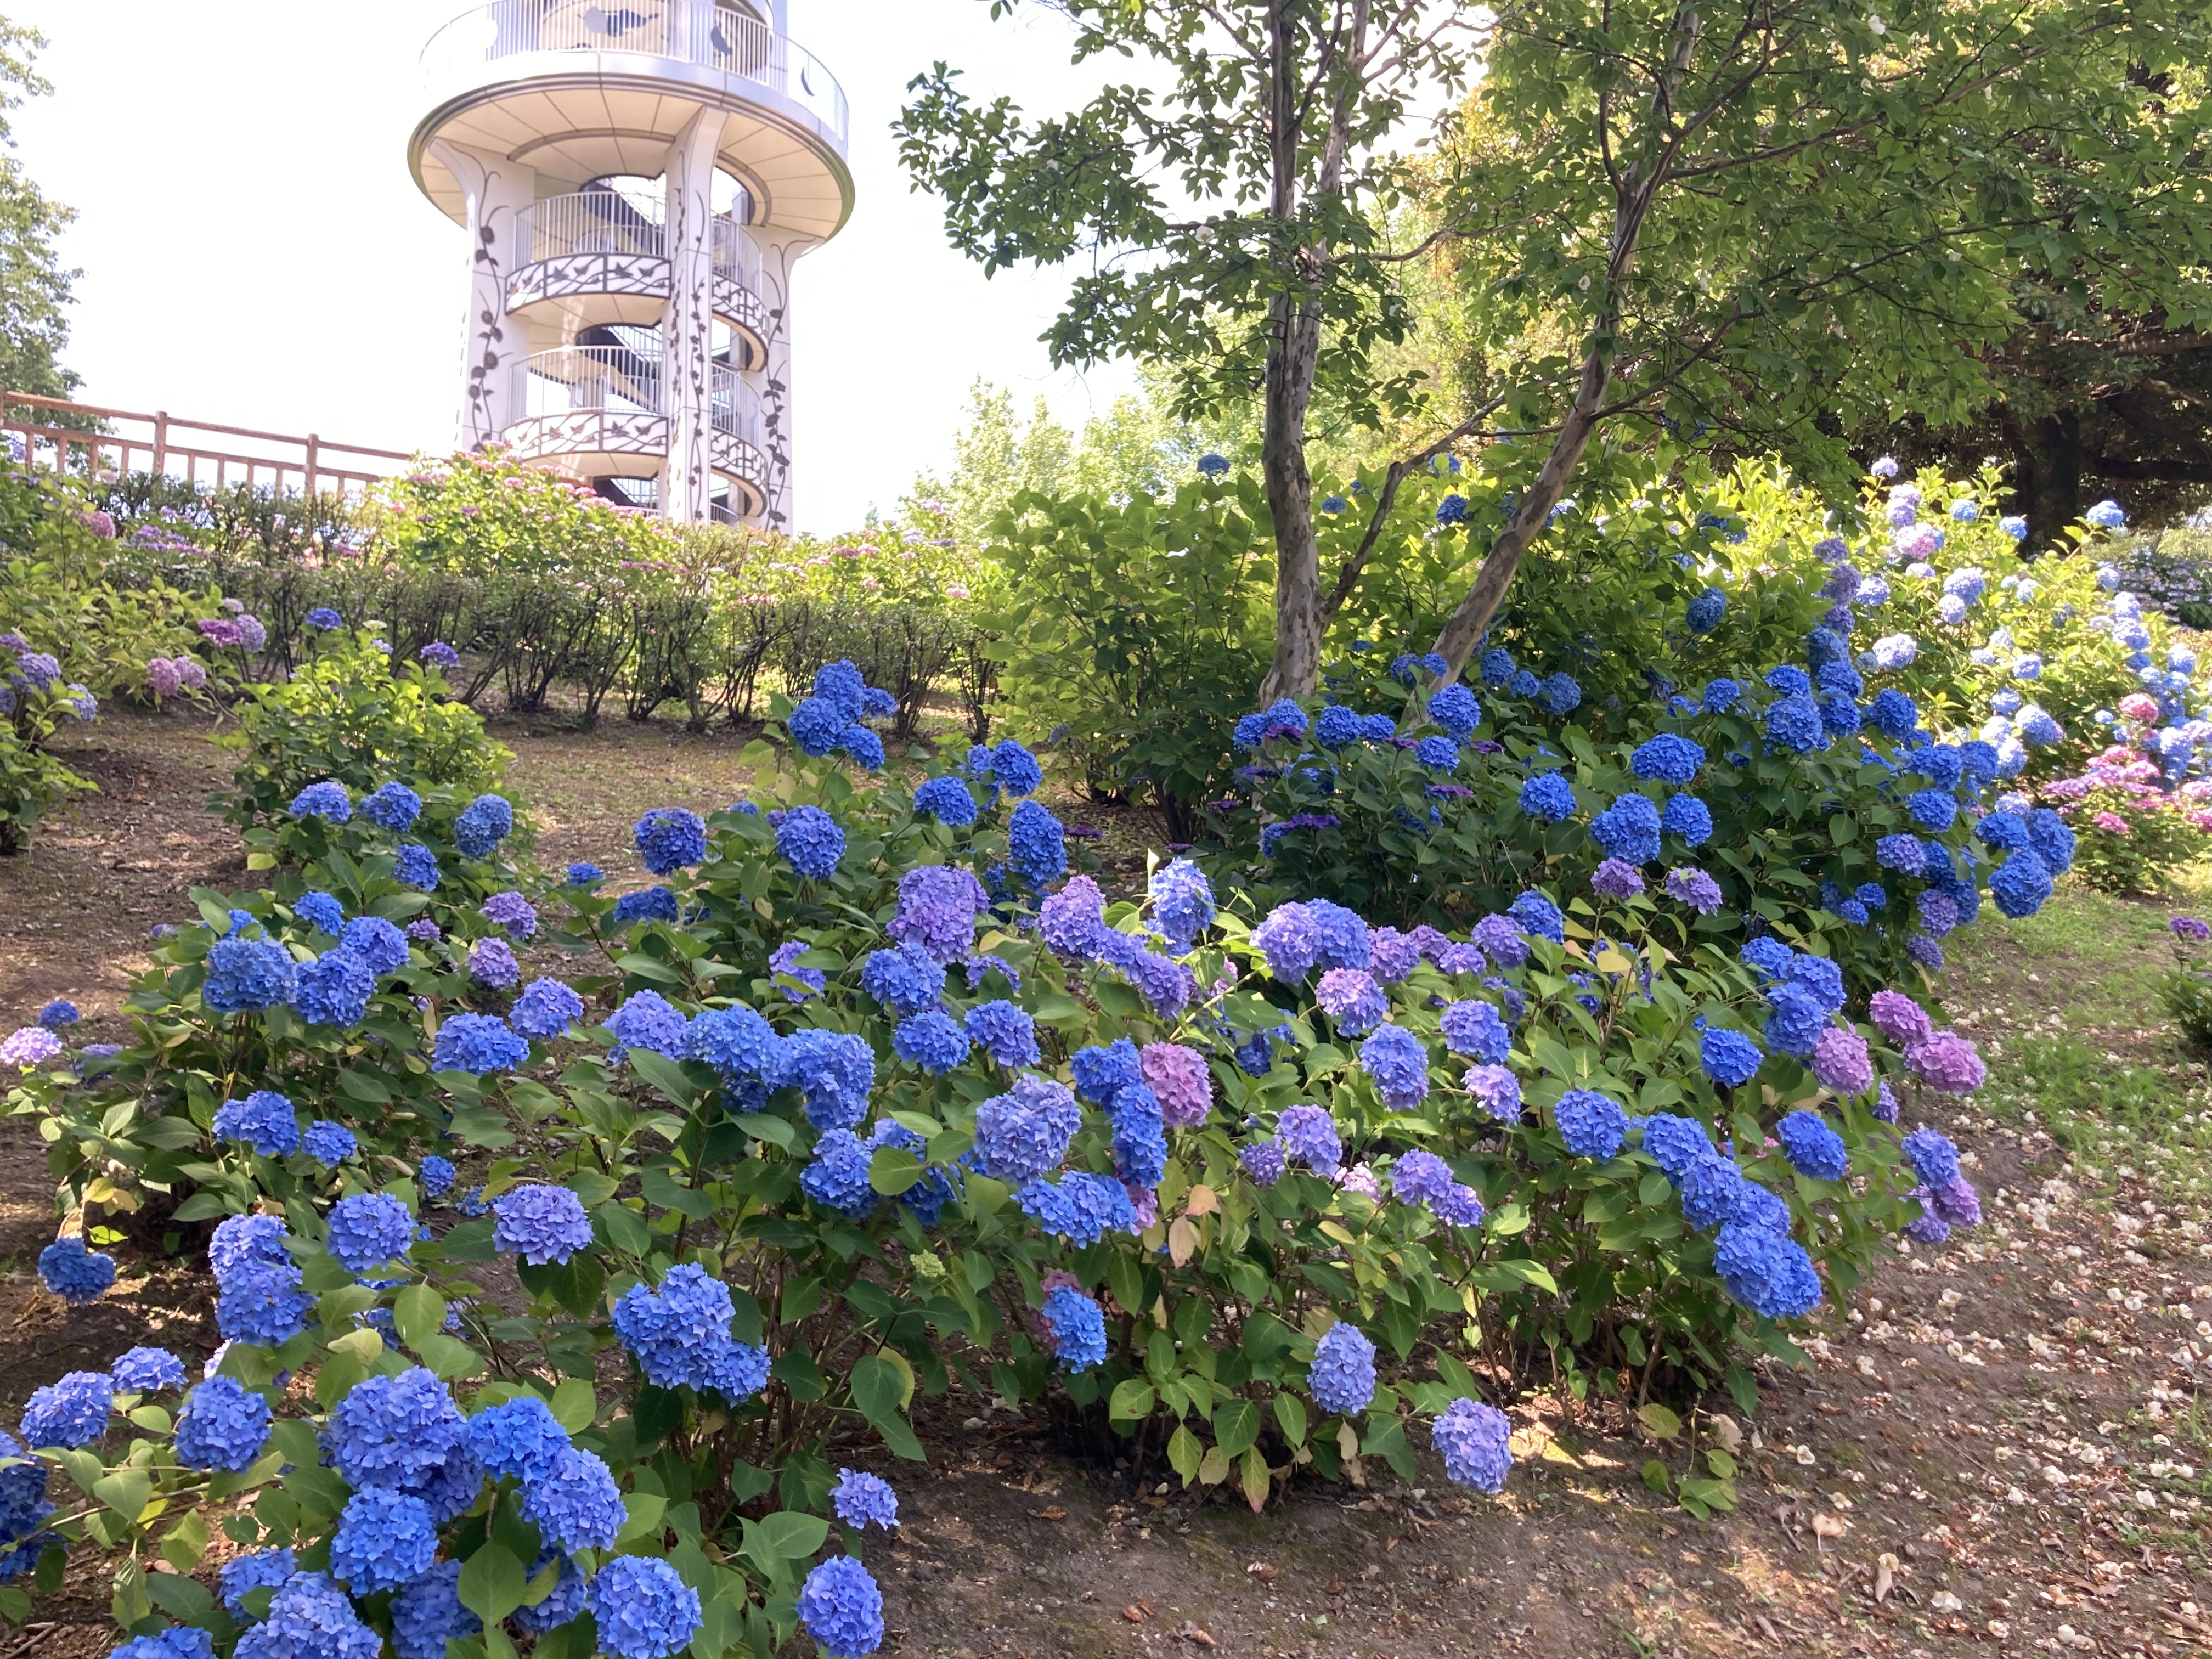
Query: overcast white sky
point(254, 251)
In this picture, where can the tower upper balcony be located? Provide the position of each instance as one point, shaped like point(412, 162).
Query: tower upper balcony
point(576, 90)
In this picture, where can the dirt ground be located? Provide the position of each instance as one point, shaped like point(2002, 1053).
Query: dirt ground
point(2000, 1447)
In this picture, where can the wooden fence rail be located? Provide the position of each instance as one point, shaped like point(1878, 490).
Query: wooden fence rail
point(127, 442)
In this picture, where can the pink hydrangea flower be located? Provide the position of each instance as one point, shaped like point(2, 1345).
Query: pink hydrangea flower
point(1948, 1063)
point(1178, 1077)
point(163, 674)
point(2112, 823)
point(1841, 1062)
point(2137, 707)
point(1900, 1019)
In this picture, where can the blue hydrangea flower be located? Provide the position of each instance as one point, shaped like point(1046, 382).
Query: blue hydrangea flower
point(1628, 829)
point(310, 1618)
point(1793, 722)
point(670, 838)
point(1182, 903)
point(321, 911)
point(384, 1539)
point(266, 1570)
point(1902, 854)
point(947, 799)
point(1728, 1058)
point(839, 1604)
point(482, 824)
point(654, 903)
point(545, 1010)
point(146, 1371)
point(835, 1070)
point(1538, 917)
point(415, 866)
point(1547, 797)
point(1003, 1031)
point(1397, 1063)
point(1811, 1146)
point(837, 1177)
point(930, 1040)
point(177, 1641)
point(1025, 1133)
point(649, 1020)
point(367, 1230)
point(330, 1144)
point(1668, 758)
point(246, 975)
point(1932, 809)
point(1308, 1136)
point(1705, 611)
point(583, 873)
point(377, 943)
point(1037, 849)
point(862, 1500)
point(809, 841)
point(1475, 1442)
point(428, 1613)
point(259, 1300)
point(75, 1274)
point(71, 1413)
point(1560, 693)
point(578, 1506)
point(1075, 1327)
point(221, 1426)
point(1341, 1378)
point(1769, 1274)
point(479, 1043)
point(540, 1224)
point(643, 1609)
point(2021, 884)
point(323, 800)
point(1455, 709)
point(520, 1439)
point(1592, 1126)
point(393, 806)
point(906, 981)
point(333, 989)
point(1795, 1020)
point(264, 1120)
point(1140, 1146)
point(1477, 1030)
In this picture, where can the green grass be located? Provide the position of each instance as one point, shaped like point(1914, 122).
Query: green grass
point(2065, 1005)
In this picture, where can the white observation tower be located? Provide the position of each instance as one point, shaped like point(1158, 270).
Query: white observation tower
point(637, 179)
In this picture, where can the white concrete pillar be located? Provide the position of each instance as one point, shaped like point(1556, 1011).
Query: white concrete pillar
point(780, 251)
point(493, 348)
point(687, 330)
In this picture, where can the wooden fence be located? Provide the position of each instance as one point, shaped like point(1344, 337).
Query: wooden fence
point(199, 452)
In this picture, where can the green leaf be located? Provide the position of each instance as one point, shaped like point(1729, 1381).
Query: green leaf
point(492, 1583)
point(893, 1170)
point(416, 1312)
point(185, 1543)
point(1236, 1427)
point(1662, 1422)
point(880, 1389)
point(575, 1404)
point(646, 1509)
point(449, 1359)
point(1655, 1476)
point(765, 1125)
point(665, 1075)
point(1132, 1400)
point(785, 1535)
point(177, 1595)
point(1184, 1454)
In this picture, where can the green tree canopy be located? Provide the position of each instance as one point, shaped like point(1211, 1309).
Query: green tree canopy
point(34, 286)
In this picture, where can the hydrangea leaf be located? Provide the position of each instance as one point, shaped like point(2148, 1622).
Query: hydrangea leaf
point(493, 1582)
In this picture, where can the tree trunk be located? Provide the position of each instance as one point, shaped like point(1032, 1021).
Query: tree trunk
point(2047, 458)
point(1294, 345)
point(1633, 195)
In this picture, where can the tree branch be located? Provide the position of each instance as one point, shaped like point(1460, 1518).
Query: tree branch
point(1395, 475)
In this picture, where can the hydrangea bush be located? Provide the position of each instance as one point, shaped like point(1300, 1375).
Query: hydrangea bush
point(33, 699)
point(868, 1093)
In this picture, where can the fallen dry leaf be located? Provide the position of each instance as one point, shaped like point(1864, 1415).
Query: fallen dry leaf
point(1051, 1512)
point(1826, 1527)
point(1133, 1613)
point(1884, 1577)
point(1262, 1571)
point(1194, 1635)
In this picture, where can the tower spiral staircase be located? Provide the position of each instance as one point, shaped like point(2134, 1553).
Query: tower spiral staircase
point(637, 181)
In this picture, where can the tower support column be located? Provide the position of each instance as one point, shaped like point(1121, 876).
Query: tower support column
point(780, 249)
point(495, 191)
point(687, 343)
